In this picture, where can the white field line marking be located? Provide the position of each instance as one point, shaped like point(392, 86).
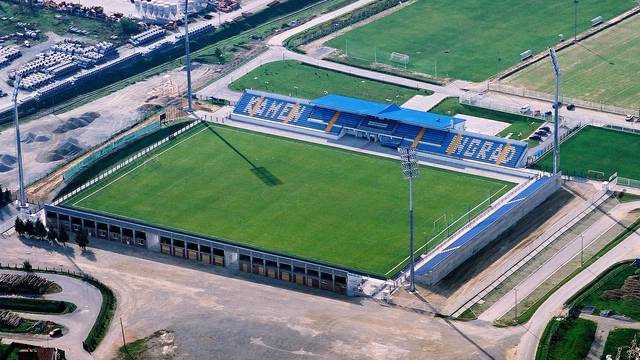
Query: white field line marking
point(135, 168)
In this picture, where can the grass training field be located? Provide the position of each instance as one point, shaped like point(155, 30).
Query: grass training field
point(598, 149)
point(329, 205)
point(620, 338)
point(567, 339)
point(292, 78)
point(521, 126)
point(471, 39)
point(601, 69)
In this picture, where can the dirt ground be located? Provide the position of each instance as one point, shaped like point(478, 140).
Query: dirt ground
point(216, 313)
point(464, 279)
point(51, 141)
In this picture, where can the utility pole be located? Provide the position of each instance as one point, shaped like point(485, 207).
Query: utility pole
point(556, 110)
point(582, 250)
point(22, 203)
point(515, 292)
point(124, 342)
point(187, 55)
point(410, 171)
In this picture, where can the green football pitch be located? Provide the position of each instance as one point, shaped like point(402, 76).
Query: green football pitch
point(310, 201)
point(596, 151)
point(601, 69)
point(292, 78)
point(471, 39)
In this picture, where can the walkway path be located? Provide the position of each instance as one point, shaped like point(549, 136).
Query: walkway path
point(628, 249)
point(570, 251)
point(88, 300)
point(605, 325)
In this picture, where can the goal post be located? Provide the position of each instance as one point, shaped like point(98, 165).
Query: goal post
point(400, 58)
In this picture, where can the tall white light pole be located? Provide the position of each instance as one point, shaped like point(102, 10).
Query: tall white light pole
point(410, 171)
point(188, 54)
point(556, 110)
point(22, 203)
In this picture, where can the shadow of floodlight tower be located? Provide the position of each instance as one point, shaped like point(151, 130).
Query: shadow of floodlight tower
point(410, 171)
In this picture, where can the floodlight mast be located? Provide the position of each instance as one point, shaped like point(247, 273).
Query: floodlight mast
point(556, 111)
point(187, 55)
point(410, 171)
point(21, 194)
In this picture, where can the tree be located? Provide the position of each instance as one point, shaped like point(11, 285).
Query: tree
point(83, 240)
point(7, 196)
point(52, 234)
point(26, 266)
point(128, 26)
point(40, 230)
point(19, 226)
point(63, 237)
point(29, 229)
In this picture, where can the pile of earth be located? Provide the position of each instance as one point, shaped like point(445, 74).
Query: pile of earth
point(7, 162)
point(149, 108)
point(77, 122)
point(630, 290)
point(67, 149)
point(30, 137)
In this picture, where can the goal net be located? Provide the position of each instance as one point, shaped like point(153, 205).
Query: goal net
point(399, 58)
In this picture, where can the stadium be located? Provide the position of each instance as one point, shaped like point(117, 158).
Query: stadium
point(248, 190)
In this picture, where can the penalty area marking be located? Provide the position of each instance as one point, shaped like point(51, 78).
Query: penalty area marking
point(136, 167)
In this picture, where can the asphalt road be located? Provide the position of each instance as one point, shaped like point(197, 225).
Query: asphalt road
point(78, 323)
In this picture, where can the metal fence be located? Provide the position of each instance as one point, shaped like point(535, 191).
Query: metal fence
point(628, 182)
point(110, 148)
point(478, 101)
point(524, 92)
point(125, 163)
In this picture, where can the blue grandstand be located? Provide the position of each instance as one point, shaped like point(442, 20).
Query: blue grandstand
point(391, 125)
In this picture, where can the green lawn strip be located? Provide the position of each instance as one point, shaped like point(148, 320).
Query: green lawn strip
point(521, 126)
point(37, 306)
point(26, 326)
point(620, 338)
point(111, 159)
point(625, 197)
point(107, 308)
point(293, 78)
point(319, 188)
point(597, 149)
point(471, 39)
point(566, 339)
point(133, 350)
point(526, 315)
point(600, 69)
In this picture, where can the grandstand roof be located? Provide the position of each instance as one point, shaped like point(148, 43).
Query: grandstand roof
point(385, 111)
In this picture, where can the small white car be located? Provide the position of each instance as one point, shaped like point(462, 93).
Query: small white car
point(525, 109)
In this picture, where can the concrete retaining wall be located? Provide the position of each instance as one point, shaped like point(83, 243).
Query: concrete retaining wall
point(486, 237)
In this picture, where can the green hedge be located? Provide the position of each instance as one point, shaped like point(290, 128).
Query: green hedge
point(107, 309)
point(101, 326)
point(38, 306)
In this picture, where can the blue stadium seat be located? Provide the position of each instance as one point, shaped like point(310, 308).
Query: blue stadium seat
point(491, 150)
point(349, 120)
point(407, 131)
